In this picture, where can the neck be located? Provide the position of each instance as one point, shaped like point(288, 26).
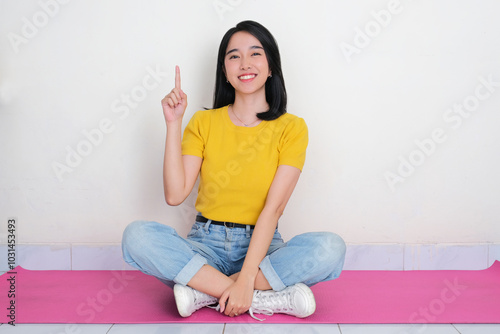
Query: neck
point(247, 106)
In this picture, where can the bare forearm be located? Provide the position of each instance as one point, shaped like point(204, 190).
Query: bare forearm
point(281, 189)
point(239, 294)
point(173, 168)
point(261, 240)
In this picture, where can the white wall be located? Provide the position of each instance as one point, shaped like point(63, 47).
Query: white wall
point(67, 68)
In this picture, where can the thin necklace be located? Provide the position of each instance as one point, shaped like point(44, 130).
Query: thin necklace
point(241, 120)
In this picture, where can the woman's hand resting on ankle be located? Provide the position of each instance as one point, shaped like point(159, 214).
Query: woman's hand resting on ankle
point(237, 298)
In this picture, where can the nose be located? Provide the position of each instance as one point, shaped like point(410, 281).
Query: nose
point(245, 65)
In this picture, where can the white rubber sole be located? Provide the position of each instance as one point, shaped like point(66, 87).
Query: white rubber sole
point(181, 295)
point(310, 300)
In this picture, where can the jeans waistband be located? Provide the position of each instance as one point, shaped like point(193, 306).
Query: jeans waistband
point(201, 219)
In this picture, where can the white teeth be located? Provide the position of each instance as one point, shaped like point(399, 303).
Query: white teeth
point(245, 77)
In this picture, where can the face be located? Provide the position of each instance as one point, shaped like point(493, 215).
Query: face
point(246, 65)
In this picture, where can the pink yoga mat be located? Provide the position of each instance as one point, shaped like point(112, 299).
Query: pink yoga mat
point(444, 296)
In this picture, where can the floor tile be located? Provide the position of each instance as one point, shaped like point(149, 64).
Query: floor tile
point(374, 257)
point(398, 329)
point(98, 257)
point(263, 328)
point(251, 328)
point(44, 257)
point(493, 254)
point(168, 328)
point(478, 328)
point(3, 260)
point(55, 329)
point(446, 257)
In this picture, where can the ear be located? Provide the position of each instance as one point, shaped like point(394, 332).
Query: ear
point(225, 74)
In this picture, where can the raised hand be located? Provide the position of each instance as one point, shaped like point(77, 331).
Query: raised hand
point(175, 103)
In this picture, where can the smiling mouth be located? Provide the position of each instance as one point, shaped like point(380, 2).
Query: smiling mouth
point(247, 76)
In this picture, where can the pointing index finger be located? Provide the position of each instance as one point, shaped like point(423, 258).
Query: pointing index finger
point(177, 77)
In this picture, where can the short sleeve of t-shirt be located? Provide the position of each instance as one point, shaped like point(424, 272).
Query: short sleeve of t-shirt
point(193, 141)
point(293, 144)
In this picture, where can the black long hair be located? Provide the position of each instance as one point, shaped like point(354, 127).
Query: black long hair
point(224, 93)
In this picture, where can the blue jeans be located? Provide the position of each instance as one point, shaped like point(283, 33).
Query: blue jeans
point(157, 250)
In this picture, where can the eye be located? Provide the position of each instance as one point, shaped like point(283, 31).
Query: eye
point(233, 57)
point(256, 54)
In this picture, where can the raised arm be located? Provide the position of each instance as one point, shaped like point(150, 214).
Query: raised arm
point(179, 172)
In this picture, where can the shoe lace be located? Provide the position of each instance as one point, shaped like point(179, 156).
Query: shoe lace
point(268, 302)
point(202, 299)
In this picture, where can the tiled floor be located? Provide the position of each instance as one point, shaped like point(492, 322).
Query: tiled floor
point(252, 328)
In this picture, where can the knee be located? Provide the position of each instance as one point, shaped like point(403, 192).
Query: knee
point(331, 248)
point(139, 233)
point(132, 236)
point(133, 231)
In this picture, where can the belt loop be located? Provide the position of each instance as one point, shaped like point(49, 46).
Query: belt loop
point(207, 225)
point(248, 231)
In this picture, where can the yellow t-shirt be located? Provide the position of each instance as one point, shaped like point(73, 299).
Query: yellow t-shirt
point(239, 163)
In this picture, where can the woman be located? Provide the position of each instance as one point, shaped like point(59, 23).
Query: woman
point(249, 154)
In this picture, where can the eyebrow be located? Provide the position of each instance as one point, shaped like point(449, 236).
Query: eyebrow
point(252, 47)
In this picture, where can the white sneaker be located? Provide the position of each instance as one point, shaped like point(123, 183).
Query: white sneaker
point(189, 300)
point(297, 300)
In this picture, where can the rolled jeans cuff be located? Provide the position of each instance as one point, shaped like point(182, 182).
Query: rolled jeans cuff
point(272, 277)
point(190, 269)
